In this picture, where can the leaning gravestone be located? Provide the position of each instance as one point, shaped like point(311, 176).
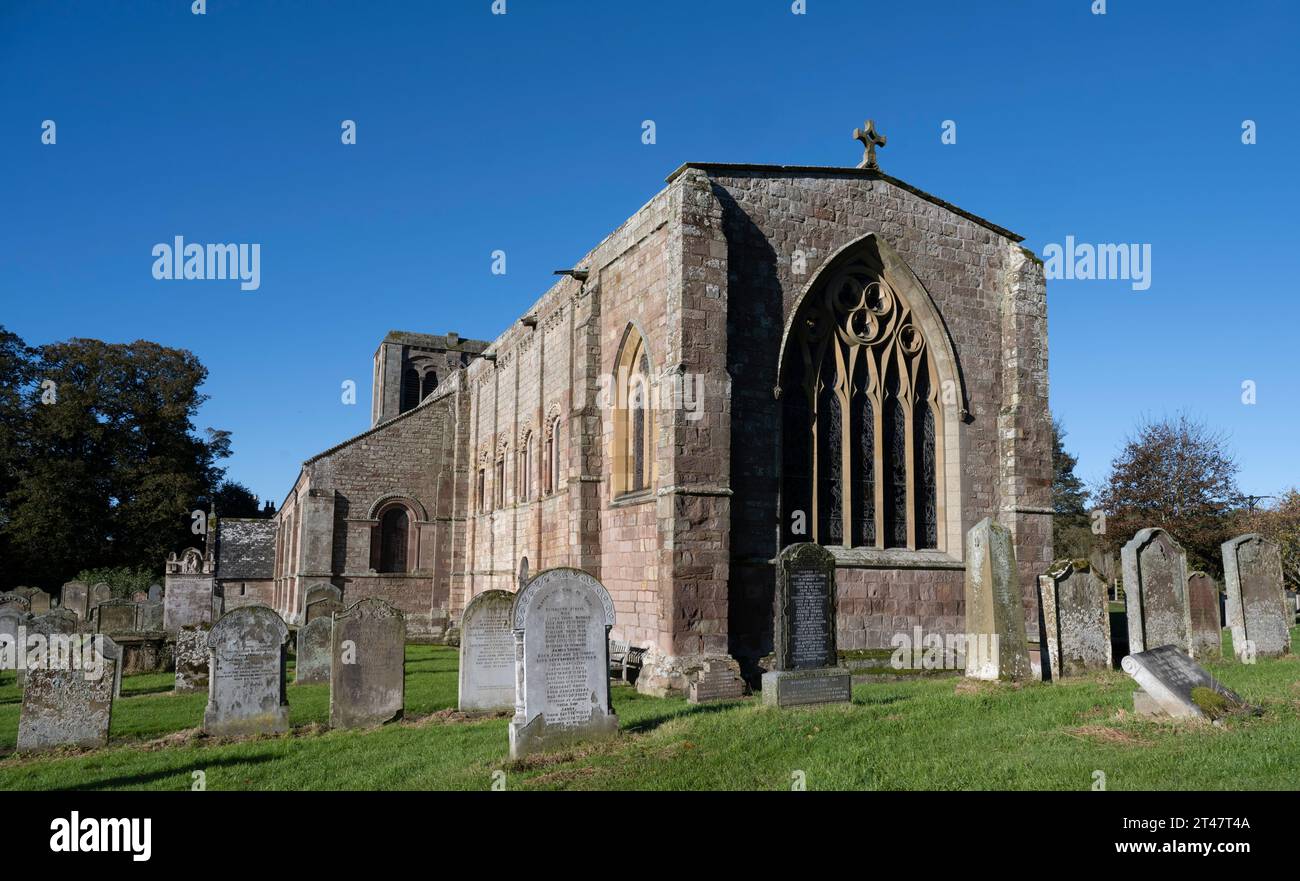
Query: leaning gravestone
point(1257, 607)
point(1175, 685)
point(1155, 587)
point(807, 663)
point(487, 653)
point(719, 679)
point(321, 601)
point(562, 620)
point(996, 645)
point(1076, 620)
point(367, 665)
point(246, 663)
point(71, 705)
point(74, 597)
point(192, 658)
point(312, 664)
point(1207, 630)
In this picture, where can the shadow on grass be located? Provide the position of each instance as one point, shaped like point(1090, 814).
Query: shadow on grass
point(163, 773)
point(650, 723)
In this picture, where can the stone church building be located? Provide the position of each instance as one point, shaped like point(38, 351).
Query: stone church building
point(762, 354)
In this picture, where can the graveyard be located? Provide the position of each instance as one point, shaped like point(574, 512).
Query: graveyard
point(932, 732)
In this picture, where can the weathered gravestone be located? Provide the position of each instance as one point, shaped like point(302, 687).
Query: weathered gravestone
point(151, 616)
point(321, 601)
point(99, 593)
point(1257, 607)
point(59, 621)
point(996, 644)
point(487, 653)
point(1155, 590)
point(807, 663)
point(15, 600)
point(62, 623)
point(1175, 685)
point(562, 620)
point(367, 664)
point(155, 593)
point(312, 664)
point(71, 704)
point(1076, 620)
point(38, 599)
point(117, 616)
point(1207, 630)
point(74, 597)
point(719, 679)
point(246, 670)
point(192, 658)
point(188, 598)
point(13, 629)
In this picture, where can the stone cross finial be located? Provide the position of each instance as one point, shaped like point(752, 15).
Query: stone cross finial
point(871, 139)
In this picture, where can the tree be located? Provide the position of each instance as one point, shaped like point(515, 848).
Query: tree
point(1071, 530)
point(1281, 523)
point(235, 500)
point(107, 460)
point(1179, 475)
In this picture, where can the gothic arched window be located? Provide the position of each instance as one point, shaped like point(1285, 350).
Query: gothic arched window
point(634, 458)
point(394, 538)
point(428, 385)
point(862, 449)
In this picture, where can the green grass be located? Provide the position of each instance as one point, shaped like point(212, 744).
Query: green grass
point(923, 734)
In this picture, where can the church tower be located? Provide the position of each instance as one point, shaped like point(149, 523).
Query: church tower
point(409, 366)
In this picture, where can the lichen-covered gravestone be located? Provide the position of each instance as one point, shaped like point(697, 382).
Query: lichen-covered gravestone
point(1207, 629)
point(74, 597)
point(247, 658)
point(70, 705)
point(1155, 590)
point(487, 653)
point(321, 601)
point(192, 658)
point(996, 645)
point(719, 679)
point(312, 664)
point(117, 616)
point(13, 631)
point(807, 662)
point(367, 665)
point(1257, 607)
point(14, 600)
point(562, 619)
point(1076, 620)
point(1173, 684)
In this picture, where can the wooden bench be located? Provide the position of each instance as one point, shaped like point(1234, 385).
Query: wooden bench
point(624, 656)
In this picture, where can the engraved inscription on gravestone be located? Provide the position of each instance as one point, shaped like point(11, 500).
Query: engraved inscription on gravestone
point(247, 657)
point(807, 663)
point(562, 620)
point(487, 653)
point(1256, 606)
point(367, 664)
point(1177, 685)
point(312, 665)
point(70, 705)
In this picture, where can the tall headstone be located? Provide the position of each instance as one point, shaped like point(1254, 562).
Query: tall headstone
point(246, 664)
point(562, 620)
point(996, 644)
point(367, 665)
point(1257, 607)
point(1076, 620)
point(67, 706)
point(487, 653)
point(321, 601)
point(807, 662)
point(192, 658)
point(188, 598)
point(1173, 684)
point(1155, 588)
point(75, 597)
point(312, 663)
point(1207, 629)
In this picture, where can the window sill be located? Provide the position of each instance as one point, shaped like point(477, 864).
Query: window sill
point(892, 558)
point(627, 500)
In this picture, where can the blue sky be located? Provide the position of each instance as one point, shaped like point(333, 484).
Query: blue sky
point(522, 132)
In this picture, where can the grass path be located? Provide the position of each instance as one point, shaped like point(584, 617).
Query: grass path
point(934, 733)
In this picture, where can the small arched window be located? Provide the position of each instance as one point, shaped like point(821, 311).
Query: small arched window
point(430, 383)
point(551, 458)
point(634, 459)
point(394, 538)
point(499, 480)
